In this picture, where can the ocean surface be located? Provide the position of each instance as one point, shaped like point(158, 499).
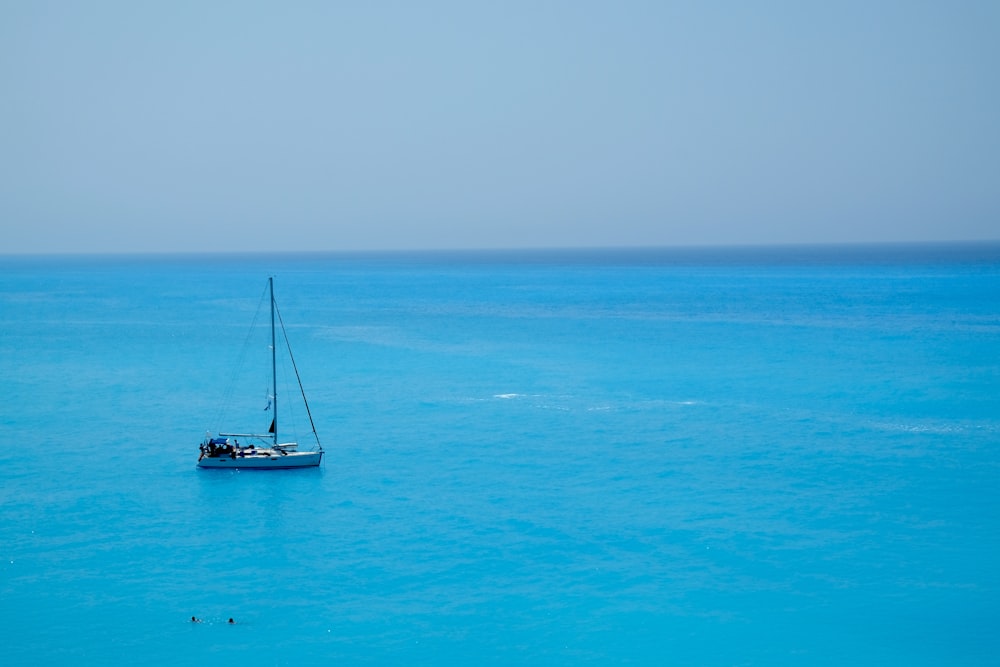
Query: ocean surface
point(771, 456)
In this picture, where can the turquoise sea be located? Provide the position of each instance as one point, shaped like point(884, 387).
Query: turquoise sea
point(763, 456)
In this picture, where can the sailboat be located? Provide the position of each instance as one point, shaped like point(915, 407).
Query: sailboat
point(263, 451)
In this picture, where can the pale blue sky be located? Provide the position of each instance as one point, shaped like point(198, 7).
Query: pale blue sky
point(240, 126)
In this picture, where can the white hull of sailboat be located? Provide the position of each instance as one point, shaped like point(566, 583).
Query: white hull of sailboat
point(264, 460)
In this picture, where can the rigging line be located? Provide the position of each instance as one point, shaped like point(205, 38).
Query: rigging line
point(291, 421)
point(240, 363)
point(302, 390)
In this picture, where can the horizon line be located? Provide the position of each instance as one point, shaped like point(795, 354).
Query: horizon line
point(507, 250)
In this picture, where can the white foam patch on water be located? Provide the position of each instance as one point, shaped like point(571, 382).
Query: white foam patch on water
point(942, 427)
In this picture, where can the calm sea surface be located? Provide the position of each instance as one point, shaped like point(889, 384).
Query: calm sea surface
point(730, 457)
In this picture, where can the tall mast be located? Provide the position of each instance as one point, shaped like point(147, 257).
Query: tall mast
point(274, 371)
